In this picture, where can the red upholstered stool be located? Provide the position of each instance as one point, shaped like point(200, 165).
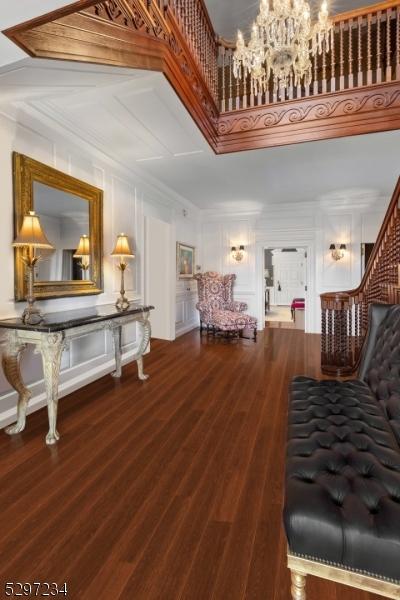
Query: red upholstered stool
point(297, 304)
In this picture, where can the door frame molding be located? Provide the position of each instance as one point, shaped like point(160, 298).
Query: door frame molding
point(171, 262)
point(284, 239)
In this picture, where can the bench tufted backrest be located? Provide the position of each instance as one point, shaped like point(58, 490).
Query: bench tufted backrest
point(380, 366)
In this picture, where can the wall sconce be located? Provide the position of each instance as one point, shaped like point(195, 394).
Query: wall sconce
point(337, 253)
point(237, 253)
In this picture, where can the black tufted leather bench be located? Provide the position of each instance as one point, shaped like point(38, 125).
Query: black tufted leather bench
point(342, 505)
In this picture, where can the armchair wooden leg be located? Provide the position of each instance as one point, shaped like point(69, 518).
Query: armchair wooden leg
point(298, 586)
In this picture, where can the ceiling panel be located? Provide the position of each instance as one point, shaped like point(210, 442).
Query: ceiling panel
point(97, 122)
point(141, 119)
point(150, 110)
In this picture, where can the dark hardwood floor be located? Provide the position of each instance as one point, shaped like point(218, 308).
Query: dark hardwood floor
point(168, 489)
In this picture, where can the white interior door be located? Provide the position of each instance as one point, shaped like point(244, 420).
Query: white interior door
point(289, 276)
point(159, 277)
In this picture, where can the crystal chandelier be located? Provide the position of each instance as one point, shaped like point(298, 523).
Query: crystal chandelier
point(283, 40)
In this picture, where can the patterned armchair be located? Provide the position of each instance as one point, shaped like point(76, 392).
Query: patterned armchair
point(217, 308)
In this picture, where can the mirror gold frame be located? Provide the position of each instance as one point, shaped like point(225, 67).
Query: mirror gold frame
point(26, 171)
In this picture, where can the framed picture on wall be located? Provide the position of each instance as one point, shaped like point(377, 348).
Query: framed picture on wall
point(185, 260)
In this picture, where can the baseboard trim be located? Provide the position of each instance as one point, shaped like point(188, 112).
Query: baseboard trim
point(186, 329)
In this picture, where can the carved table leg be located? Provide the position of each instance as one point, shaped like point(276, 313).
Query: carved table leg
point(145, 333)
point(298, 586)
point(52, 346)
point(11, 368)
point(116, 332)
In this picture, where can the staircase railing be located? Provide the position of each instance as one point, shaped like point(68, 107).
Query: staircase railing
point(345, 314)
point(355, 90)
point(365, 50)
point(195, 24)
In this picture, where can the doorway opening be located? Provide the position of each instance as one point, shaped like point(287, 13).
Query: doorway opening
point(285, 287)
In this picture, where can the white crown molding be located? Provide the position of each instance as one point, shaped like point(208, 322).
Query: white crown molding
point(311, 208)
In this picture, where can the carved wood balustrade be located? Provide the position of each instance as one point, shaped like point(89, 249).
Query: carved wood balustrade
point(345, 314)
point(356, 87)
point(365, 50)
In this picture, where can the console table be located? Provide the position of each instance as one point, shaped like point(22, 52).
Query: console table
point(50, 339)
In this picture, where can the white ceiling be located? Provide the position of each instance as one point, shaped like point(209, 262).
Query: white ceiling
point(230, 15)
point(14, 13)
point(344, 168)
point(135, 118)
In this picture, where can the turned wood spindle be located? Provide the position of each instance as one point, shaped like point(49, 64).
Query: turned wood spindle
point(237, 96)
point(230, 93)
point(341, 55)
point(324, 82)
point(351, 75)
point(360, 73)
point(222, 55)
point(333, 64)
point(388, 45)
point(369, 49)
point(378, 47)
point(315, 86)
point(244, 98)
point(398, 43)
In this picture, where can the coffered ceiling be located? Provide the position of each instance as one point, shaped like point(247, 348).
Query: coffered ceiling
point(230, 15)
point(136, 119)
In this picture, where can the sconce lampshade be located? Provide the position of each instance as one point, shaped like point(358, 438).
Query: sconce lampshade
point(83, 248)
point(343, 247)
point(31, 234)
point(332, 247)
point(122, 247)
point(241, 247)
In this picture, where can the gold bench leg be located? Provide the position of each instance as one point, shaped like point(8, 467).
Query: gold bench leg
point(298, 586)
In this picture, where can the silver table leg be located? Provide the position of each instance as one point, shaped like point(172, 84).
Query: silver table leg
point(144, 339)
point(117, 333)
point(12, 372)
point(51, 347)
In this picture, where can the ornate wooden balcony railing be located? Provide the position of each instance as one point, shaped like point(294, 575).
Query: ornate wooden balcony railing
point(356, 87)
point(345, 314)
point(194, 21)
point(365, 50)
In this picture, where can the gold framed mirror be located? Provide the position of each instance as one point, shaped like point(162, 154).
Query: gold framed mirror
point(71, 214)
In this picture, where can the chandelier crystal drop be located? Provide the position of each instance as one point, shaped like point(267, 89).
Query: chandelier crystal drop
point(283, 40)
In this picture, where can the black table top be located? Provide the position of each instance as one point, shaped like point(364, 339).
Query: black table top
point(67, 319)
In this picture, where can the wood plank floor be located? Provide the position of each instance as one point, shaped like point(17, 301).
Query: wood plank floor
point(168, 489)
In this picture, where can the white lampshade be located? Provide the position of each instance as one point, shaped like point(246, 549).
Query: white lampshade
point(31, 234)
point(122, 247)
point(83, 248)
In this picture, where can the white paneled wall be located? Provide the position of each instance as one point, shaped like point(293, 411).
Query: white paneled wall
point(127, 198)
point(314, 225)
